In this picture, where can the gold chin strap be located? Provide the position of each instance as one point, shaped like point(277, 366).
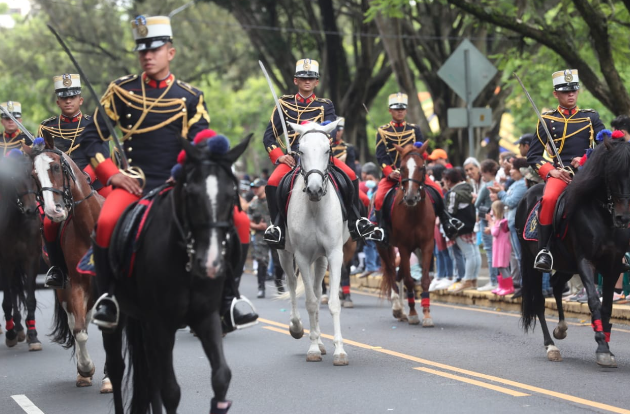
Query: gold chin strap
point(137, 173)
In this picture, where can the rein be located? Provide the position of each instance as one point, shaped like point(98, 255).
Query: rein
point(423, 170)
point(324, 174)
point(609, 205)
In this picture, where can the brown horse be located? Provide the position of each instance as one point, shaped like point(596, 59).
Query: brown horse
point(69, 199)
point(412, 223)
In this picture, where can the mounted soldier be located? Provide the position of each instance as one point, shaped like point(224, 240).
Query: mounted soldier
point(65, 131)
point(400, 132)
point(12, 137)
point(573, 131)
point(154, 111)
point(303, 106)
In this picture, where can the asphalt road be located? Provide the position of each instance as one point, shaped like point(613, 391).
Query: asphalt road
point(473, 361)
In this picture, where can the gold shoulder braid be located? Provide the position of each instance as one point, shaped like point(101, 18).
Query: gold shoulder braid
point(315, 114)
point(68, 135)
point(401, 138)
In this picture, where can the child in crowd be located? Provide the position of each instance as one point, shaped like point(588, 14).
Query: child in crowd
point(501, 248)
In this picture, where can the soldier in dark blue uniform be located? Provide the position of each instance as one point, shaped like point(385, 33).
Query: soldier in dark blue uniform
point(153, 110)
point(12, 137)
point(400, 132)
point(573, 131)
point(304, 106)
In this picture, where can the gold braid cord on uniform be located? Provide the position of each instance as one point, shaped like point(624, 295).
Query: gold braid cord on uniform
point(8, 145)
point(343, 151)
point(310, 114)
point(175, 106)
point(401, 138)
point(68, 135)
point(565, 121)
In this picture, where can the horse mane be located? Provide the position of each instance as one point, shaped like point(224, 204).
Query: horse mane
point(608, 160)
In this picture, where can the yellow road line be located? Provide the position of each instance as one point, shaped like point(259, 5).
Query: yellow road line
point(443, 305)
point(514, 384)
point(473, 382)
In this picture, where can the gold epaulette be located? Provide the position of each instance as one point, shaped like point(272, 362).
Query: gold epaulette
point(287, 97)
point(188, 87)
point(125, 79)
point(410, 124)
point(87, 117)
point(587, 110)
point(323, 100)
point(549, 112)
point(52, 118)
point(384, 126)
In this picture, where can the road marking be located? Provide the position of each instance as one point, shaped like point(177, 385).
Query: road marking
point(443, 305)
point(26, 404)
point(567, 397)
point(473, 382)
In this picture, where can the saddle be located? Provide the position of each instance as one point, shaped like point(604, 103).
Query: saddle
point(560, 224)
point(339, 180)
point(128, 233)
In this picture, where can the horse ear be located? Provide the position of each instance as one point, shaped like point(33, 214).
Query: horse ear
point(399, 148)
point(424, 147)
point(328, 128)
point(50, 142)
point(300, 129)
point(27, 150)
point(192, 153)
point(607, 142)
point(233, 154)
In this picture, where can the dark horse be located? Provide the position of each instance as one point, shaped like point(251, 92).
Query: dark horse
point(179, 270)
point(597, 213)
point(21, 246)
point(412, 228)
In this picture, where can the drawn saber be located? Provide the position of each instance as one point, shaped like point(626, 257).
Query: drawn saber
point(552, 143)
point(18, 123)
point(108, 122)
point(280, 113)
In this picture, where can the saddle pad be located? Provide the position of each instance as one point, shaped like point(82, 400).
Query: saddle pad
point(388, 205)
point(530, 232)
point(127, 236)
point(560, 225)
point(283, 195)
point(86, 264)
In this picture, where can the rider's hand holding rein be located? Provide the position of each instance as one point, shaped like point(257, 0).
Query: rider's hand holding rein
point(287, 159)
point(130, 184)
point(575, 162)
point(394, 176)
point(561, 175)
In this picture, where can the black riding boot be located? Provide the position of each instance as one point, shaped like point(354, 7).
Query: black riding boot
point(359, 227)
point(278, 274)
point(274, 235)
point(230, 292)
point(106, 309)
point(56, 276)
point(544, 260)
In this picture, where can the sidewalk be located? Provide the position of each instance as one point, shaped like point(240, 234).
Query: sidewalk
point(620, 313)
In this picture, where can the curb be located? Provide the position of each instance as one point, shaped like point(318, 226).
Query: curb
point(620, 312)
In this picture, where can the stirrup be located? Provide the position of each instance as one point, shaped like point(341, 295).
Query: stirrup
point(267, 236)
point(64, 279)
point(367, 223)
point(547, 252)
point(102, 324)
point(457, 223)
point(378, 235)
point(235, 302)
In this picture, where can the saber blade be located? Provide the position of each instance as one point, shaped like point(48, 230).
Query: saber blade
point(18, 123)
point(280, 114)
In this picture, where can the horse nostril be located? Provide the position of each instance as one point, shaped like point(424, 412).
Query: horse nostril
point(58, 208)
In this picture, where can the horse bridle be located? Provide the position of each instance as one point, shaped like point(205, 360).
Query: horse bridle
point(610, 205)
point(324, 174)
point(184, 228)
point(422, 169)
point(68, 175)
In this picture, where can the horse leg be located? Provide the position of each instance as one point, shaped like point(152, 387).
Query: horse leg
point(106, 382)
point(404, 274)
point(560, 332)
point(77, 322)
point(31, 305)
point(312, 307)
point(426, 255)
point(115, 363)
point(208, 330)
point(388, 284)
point(170, 390)
point(587, 275)
point(335, 258)
point(607, 304)
point(10, 338)
point(295, 325)
point(17, 315)
point(319, 268)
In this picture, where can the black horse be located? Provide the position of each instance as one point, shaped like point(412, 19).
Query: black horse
point(597, 213)
point(180, 267)
point(21, 247)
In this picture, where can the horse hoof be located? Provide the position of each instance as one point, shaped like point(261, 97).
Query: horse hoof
point(34, 346)
point(559, 333)
point(21, 336)
point(313, 357)
point(398, 313)
point(606, 360)
point(427, 323)
point(297, 334)
point(553, 354)
point(85, 374)
point(11, 342)
point(414, 320)
point(403, 318)
point(340, 360)
point(106, 386)
point(83, 381)
point(322, 349)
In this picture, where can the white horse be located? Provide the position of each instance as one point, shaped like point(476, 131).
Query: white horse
point(316, 232)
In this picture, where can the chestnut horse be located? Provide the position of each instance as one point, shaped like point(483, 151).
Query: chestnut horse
point(412, 224)
point(69, 199)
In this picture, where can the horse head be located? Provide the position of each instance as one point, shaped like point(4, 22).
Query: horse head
point(412, 171)
point(315, 156)
point(18, 183)
point(617, 173)
point(207, 190)
point(56, 178)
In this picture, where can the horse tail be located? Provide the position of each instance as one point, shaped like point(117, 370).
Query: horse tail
point(531, 286)
point(388, 281)
point(61, 333)
point(142, 366)
point(18, 288)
